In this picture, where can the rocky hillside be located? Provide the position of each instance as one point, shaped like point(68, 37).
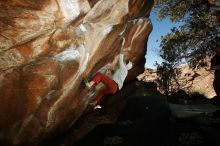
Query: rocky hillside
point(199, 80)
point(47, 47)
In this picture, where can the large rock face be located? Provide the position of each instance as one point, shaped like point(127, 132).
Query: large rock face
point(48, 46)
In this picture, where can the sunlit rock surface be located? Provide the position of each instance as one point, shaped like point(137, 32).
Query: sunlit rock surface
point(197, 80)
point(48, 46)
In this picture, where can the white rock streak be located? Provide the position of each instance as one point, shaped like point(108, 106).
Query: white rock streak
point(140, 29)
point(70, 9)
point(82, 27)
point(68, 55)
point(107, 29)
point(69, 85)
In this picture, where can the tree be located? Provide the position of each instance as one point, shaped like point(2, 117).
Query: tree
point(168, 71)
point(192, 42)
point(198, 35)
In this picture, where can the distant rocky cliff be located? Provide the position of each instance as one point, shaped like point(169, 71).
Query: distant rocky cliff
point(199, 80)
point(48, 46)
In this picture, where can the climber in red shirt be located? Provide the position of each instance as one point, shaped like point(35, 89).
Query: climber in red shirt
point(112, 84)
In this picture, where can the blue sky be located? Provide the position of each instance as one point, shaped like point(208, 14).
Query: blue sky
point(159, 28)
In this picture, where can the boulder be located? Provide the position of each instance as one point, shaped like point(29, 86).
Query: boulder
point(47, 48)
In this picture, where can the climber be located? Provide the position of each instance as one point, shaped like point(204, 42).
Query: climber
point(111, 85)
